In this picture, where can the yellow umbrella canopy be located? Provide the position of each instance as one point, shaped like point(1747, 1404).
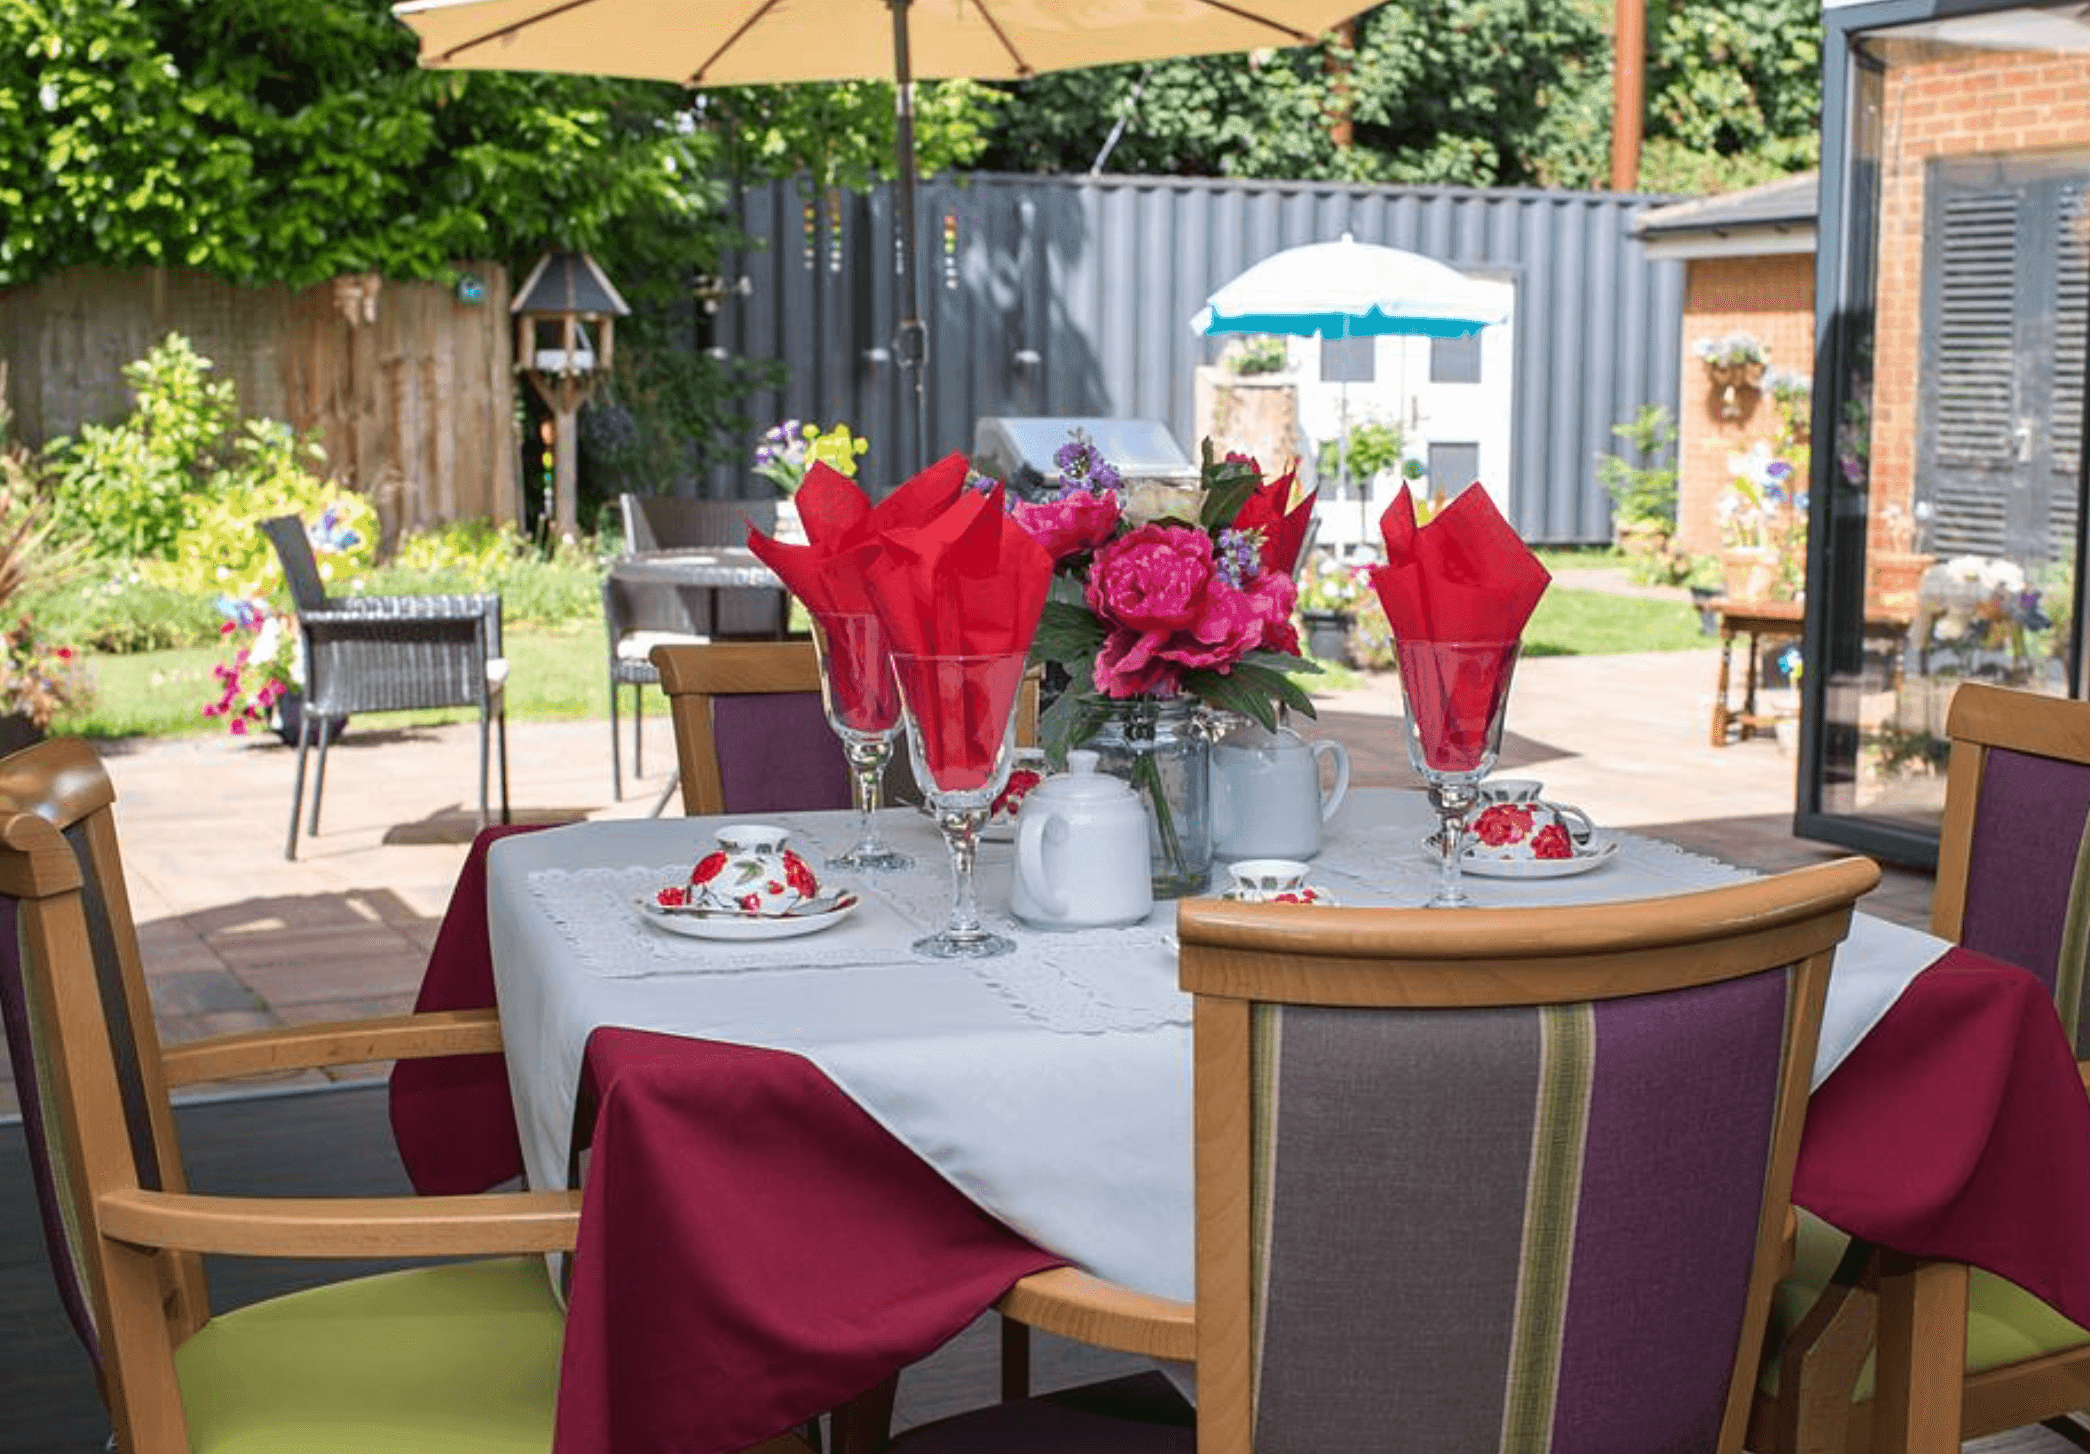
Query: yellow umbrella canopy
point(757, 42)
point(763, 42)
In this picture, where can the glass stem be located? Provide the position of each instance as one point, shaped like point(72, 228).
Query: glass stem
point(961, 830)
point(1452, 804)
point(867, 770)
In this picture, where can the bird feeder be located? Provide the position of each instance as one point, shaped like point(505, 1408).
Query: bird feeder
point(565, 319)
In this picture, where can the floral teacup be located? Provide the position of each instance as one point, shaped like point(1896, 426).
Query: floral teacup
point(1273, 881)
point(750, 872)
point(1531, 829)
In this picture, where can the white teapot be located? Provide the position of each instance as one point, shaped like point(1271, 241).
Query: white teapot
point(1266, 793)
point(1081, 851)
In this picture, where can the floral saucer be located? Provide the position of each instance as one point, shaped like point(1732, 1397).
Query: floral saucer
point(664, 910)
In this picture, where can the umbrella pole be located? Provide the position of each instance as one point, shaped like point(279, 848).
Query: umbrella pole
point(911, 340)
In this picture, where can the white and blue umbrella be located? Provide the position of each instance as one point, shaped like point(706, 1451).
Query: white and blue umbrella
point(1350, 289)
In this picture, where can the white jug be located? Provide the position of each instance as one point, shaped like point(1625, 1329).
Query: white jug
point(1266, 793)
point(1081, 851)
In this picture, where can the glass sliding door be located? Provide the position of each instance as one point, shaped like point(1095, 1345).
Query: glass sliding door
point(1954, 275)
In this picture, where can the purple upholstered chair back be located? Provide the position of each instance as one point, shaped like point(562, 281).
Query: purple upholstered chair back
point(776, 753)
point(2028, 892)
point(1525, 1228)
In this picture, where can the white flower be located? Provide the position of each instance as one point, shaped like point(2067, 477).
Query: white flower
point(1148, 500)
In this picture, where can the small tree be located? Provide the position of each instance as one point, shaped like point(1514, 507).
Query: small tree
point(1643, 487)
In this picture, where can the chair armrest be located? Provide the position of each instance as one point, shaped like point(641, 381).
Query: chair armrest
point(338, 1042)
point(1089, 1310)
point(540, 1221)
point(406, 608)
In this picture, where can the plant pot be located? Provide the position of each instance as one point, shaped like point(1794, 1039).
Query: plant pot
point(1749, 571)
point(1328, 635)
point(289, 716)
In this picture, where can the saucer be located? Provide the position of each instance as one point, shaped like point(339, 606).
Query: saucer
point(696, 923)
point(1588, 855)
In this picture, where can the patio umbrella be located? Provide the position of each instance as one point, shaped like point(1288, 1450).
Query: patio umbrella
point(1349, 289)
point(751, 42)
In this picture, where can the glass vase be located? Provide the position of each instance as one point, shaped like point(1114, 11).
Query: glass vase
point(1163, 750)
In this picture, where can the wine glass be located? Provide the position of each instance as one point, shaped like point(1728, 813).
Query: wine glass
point(1455, 693)
point(863, 707)
point(961, 728)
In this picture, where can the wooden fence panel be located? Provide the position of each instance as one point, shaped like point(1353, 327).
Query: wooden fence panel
point(413, 401)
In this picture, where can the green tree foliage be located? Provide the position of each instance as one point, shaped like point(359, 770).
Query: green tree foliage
point(1468, 92)
point(845, 134)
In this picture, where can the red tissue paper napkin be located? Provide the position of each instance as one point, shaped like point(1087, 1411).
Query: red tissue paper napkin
point(1462, 580)
point(959, 597)
point(1283, 523)
point(828, 576)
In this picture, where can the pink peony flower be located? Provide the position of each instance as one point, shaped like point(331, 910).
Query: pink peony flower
point(1152, 579)
point(1080, 520)
point(1275, 594)
point(1128, 667)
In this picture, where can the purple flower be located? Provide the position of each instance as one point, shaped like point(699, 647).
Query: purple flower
point(1238, 557)
point(1083, 467)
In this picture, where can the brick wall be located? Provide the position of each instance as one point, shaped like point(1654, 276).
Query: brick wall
point(1968, 104)
point(1771, 298)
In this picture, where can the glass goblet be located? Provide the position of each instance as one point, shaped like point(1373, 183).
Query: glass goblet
point(1455, 692)
point(863, 707)
point(961, 730)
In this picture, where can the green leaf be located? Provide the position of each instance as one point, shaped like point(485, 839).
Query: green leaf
point(1066, 631)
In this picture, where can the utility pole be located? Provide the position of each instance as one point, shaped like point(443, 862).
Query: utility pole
point(1628, 92)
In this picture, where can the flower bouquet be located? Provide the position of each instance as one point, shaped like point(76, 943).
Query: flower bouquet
point(785, 452)
point(1169, 594)
point(41, 678)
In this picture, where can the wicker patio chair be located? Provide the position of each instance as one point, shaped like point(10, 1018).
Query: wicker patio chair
point(389, 654)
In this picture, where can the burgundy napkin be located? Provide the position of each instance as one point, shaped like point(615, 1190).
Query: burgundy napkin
point(1284, 524)
point(827, 574)
point(1462, 580)
point(960, 595)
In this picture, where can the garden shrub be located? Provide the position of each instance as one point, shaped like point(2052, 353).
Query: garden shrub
point(125, 612)
point(222, 550)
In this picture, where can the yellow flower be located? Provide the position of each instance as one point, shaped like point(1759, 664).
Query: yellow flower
point(837, 449)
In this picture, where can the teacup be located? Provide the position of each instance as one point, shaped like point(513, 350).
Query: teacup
point(1273, 881)
point(1511, 790)
point(1513, 831)
point(751, 872)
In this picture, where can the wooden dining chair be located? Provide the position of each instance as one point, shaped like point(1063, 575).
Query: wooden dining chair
point(1495, 1179)
point(457, 1357)
point(2013, 882)
point(752, 737)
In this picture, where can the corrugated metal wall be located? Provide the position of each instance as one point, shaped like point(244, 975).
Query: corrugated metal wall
point(1073, 295)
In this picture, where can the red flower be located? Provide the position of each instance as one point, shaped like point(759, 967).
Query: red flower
point(799, 875)
point(1011, 798)
point(1552, 842)
point(1077, 521)
point(708, 868)
point(673, 897)
point(750, 903)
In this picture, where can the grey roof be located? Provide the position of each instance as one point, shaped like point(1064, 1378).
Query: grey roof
point(568, 282)
point(1787, 202)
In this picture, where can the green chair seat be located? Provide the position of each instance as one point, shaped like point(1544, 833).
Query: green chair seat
point(461, 1358)
point(2005, 1324)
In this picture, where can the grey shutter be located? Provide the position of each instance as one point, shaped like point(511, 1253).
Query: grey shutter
point(1971, 369)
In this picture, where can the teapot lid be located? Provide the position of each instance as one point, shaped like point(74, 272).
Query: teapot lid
point(1082, 783)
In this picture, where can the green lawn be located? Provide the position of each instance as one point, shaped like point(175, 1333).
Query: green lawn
point(553, 673)
point(559, 672)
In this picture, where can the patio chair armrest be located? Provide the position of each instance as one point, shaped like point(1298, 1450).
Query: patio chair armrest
point(513, 1222)
point(1074, 1304)
point(338, 1042)
point(409, 608)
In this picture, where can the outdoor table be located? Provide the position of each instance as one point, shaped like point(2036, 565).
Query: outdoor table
point(815, 1160)
point(1776, 620)
point(713, 570)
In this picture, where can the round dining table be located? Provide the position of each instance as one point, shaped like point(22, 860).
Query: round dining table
point(826, 1155)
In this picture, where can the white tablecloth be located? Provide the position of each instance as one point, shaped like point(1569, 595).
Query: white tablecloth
point(1051, 1086)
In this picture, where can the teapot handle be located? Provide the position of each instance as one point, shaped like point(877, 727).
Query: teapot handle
point(1333, 798)
point(1030, 860)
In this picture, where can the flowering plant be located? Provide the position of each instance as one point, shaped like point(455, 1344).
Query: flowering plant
point(1977, 614)
point(264, 665)
point(786, 451)
point(40, 678)
point(1326, 584)
point(1169, 589)
point(1731, 350)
